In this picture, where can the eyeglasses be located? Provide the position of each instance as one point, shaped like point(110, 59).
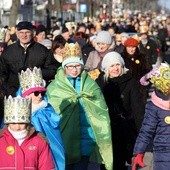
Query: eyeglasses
point(36, 93)
point(70, 67)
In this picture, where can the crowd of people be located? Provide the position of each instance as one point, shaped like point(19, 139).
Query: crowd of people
point(77, 96)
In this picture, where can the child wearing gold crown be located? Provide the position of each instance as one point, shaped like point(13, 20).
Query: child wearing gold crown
point(85, 123)
point(43, 116)
point(156, 123)
point(21, 147)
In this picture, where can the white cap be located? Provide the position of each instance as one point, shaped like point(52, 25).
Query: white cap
point(112, 58)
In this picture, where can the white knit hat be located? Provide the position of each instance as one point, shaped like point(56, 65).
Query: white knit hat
point(104, 37)
point(112, 58)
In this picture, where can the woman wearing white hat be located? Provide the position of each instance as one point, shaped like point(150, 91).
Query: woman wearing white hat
point(103, 43)
point(126, 109)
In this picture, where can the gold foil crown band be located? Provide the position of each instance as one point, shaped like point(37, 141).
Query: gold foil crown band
point(71, 50)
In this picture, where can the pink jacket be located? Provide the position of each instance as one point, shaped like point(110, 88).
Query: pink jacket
point(33, 154)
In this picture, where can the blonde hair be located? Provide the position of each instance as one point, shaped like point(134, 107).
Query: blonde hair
point(106, 75)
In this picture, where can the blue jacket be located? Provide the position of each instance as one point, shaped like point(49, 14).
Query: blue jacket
point(47, 121)
point(87, 135)
point(156, 127)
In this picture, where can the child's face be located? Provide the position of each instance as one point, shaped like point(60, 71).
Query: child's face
point(36, 97)
point(17, 126)
point(73, 69)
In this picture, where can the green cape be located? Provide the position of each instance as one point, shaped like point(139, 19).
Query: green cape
point(63, 97)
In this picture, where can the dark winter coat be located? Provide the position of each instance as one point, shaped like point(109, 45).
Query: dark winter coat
point(156, 127)
point(123, 96)
point(150, 51)
point(137, 64)
point(162, 35)
point(119, 48)
point(16, 58)
point(54, 64)
point(126, 112)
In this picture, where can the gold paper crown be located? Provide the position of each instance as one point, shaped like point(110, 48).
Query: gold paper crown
point(2, 35)
point(161, 80)
point(71, 50)
point(143, 29)
point(31, 79)
point(17, 110)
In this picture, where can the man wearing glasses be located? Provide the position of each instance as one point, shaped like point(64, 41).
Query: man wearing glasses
point(25, 53)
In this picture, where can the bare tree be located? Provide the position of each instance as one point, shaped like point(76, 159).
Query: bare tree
point(14, 12)
point(59, 4)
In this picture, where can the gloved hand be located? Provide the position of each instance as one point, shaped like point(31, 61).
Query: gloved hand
point(137, 161)
point(145, 79)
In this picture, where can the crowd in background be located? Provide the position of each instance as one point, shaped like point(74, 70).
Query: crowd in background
point(90, 64)
point(155, 25)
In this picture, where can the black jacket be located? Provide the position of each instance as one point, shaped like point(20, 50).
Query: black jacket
point(122, 95)
point(150, 51)
point(136, 63)
point(126, 112)
point(15, 58)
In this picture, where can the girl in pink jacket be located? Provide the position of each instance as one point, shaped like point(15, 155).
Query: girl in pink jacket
point(21, 147)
